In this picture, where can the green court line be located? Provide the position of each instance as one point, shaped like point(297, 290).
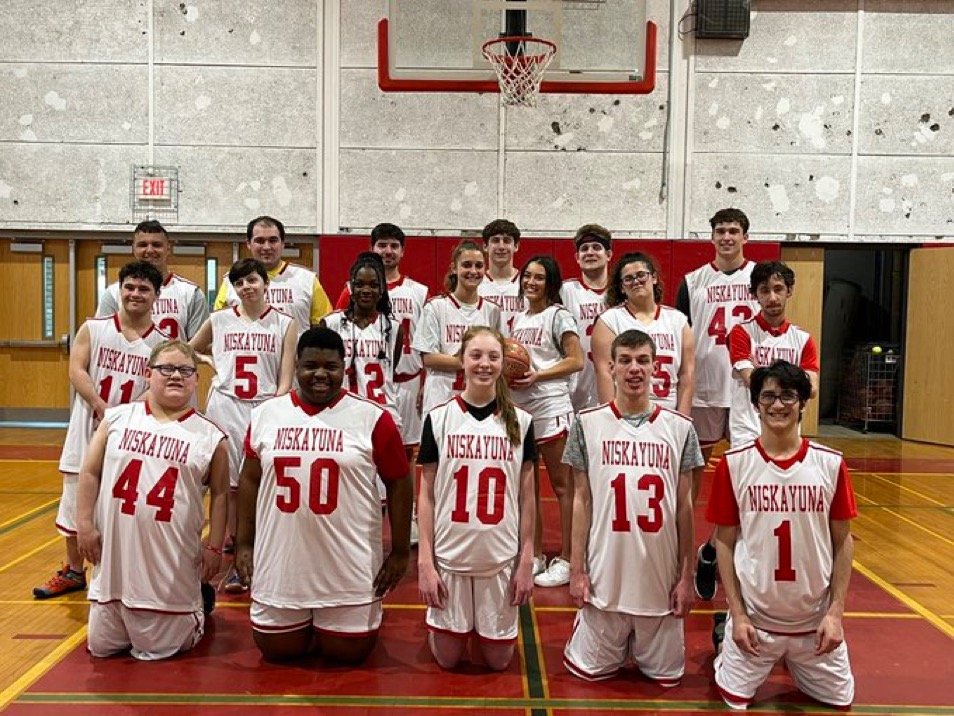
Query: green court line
point(31, 515)
point(531, 662)
point(458, 702)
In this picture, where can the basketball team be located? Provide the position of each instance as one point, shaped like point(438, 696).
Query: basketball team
point(317, 417)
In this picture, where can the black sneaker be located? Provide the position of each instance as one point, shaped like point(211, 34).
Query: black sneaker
point(706, 572)
point(718, 629)
point(208, 598)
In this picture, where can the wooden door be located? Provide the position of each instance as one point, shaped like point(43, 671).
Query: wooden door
point(805, 308)
point(928, 413)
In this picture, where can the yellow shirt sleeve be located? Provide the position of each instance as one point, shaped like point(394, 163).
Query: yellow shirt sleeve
point(320, 305)
point(221, 296)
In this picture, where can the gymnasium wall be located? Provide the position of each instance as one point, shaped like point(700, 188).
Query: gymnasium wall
point(834, 119)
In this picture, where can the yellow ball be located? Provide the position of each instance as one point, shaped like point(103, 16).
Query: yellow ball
point(876, 350)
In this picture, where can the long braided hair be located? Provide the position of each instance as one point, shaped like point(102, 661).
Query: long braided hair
point(501, 390)
point(370, 260)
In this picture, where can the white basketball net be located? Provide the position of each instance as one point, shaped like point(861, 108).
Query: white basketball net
point(519, 63)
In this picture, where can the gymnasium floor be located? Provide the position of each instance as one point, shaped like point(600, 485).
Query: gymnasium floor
point(900, 625)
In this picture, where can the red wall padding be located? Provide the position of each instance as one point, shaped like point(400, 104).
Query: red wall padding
point(426, 258)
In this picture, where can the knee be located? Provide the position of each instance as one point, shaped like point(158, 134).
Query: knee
point(497, 656)
point(345, 651)
point(279, 648)
point(447, 650)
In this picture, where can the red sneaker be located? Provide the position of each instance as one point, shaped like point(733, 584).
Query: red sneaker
point(63, 582)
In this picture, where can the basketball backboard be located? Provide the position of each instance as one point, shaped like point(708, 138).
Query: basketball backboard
point(603, 46)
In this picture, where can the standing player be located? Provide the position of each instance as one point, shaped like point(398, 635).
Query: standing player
point(583, 298)
point(371, 334)
point(782, 506)
point(476, 511)
point(501, 285)
point(761, 341)
point(309, 538)
point(291, 289)
point(715, 297)
point(252, 348)
point(635, 297)
point(140, 514)
point(182, 308)
point(631, 567)
point(108, 361)
point(445, 319)
point(549, 333)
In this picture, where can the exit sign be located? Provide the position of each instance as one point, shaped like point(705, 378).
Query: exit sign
point(151, 189)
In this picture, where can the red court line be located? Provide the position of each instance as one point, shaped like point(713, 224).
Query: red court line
point(30, 452)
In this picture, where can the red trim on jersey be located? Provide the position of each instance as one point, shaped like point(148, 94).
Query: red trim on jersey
point(168, 279)
point(281, 629)
point(843, 501)
point(247, 445)
point(722, 508)
point(740, 344)
point(562, 434)
point(656, 411)
point(119, 327)
point(177, 277)
point(745, 262)
point(313, 410)
point(492, 640)
point(731, 698)
point(185, 416)
point(148, 409)
point(598, 291)
point(61, 528)
point(394, 284)
point(809, 359)
point(236, 311)
point(347, 634)
point(453, 299)
point(268, 309)
point(585, 675)
point(407, 377)
point(387, 450)
point(779, 330)
point(784, 463)
point(167, 612)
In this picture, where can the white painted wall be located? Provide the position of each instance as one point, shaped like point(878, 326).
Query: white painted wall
point(834, 119)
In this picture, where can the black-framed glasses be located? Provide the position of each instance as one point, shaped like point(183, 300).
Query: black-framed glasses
point(639, 276)
point(168, 369)
point(788, 397)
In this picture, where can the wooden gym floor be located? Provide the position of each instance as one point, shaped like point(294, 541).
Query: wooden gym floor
point(900, 624)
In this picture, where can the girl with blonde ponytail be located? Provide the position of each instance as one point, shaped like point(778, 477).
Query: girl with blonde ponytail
point(476, 510)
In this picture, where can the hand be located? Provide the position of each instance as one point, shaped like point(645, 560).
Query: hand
point(99, 410)
point(580, 588)
point(90, 544)
point(745, 635)
point(243, 563)
point(431, 587)
point(211, 562)
point(521, 583)
point(829, 635)
point(391, 572)
point(525, 381)
point(682, 597)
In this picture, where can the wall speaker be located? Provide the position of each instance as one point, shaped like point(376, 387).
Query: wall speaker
point(722, 19)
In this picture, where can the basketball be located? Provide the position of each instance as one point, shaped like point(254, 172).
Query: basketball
point(516, 360)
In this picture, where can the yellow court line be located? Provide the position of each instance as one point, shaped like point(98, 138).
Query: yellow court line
point(25, 459)
point(879, 476)
point(705, 612)
point(906, 600)
point(911, 522)
point(946, 475)
point(32, 552)
point(29, 512)
point(41, 667)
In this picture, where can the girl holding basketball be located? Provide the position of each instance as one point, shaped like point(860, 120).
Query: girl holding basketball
point(634, 300)
point(549, 333)
point(476, 510)
point(444, 320)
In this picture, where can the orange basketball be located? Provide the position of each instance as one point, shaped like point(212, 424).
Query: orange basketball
point(516, 359)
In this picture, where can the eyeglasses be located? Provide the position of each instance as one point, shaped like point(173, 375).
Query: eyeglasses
point(167, 369)
point(788, 397)
point(639, 276)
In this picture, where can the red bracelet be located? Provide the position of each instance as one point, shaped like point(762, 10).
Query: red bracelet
point(217, 550)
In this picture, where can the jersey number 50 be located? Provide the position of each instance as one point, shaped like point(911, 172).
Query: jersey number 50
point(323, 479)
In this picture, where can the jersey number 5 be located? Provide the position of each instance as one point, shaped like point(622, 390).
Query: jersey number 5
point(162, 496)
point(249, 389)
point(651, 522)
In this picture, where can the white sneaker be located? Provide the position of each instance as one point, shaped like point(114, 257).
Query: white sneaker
point(414, 533)
point(539, 564)
point(557, 574)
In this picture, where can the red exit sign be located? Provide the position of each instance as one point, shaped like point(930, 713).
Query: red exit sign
point(153, 189)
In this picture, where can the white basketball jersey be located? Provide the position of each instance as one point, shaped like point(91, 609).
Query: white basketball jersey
point(443, 323)
point(171, 310)
point(585, 304)
point(476, 490)
point(717, 302)
point(666, 331)
point(505, 294)
point(248, 354)
point(542, 333)
point(633, 552)
point(150, 509)
point(117, 368)
point(370, 353)
point(754, 344)
point(318, 496)
point(783, 553)
point(290, 291)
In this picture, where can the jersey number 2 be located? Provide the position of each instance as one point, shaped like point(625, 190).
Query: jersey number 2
point(162, 496)
point(651, 522)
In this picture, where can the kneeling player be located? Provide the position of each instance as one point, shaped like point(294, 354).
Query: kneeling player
point(140, 514)
point(631, 561)
point(781, 505)
point(476, 510)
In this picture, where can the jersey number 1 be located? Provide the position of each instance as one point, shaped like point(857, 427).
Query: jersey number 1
point(162, 496)
point(784, 572)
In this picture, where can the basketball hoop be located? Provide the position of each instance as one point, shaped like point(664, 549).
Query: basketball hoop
point(519, 63)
